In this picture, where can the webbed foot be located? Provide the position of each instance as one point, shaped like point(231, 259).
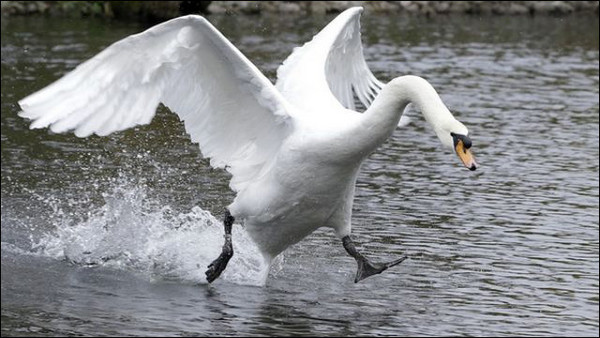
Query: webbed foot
point(367, 269)
point(218, 265)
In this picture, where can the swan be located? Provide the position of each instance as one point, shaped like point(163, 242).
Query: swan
point(294, 149)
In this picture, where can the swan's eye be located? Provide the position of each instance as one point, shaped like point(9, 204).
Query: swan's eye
point(466, 141)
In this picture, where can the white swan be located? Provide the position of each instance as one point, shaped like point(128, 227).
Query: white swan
point(294, 151)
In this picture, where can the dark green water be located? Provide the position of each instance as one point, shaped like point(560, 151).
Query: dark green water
point(110, 236)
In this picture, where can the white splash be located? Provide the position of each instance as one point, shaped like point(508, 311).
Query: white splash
point(130, 232)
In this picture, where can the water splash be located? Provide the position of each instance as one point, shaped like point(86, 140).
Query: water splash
point(132, 231)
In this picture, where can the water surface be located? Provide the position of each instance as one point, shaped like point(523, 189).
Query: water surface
point(110, 236)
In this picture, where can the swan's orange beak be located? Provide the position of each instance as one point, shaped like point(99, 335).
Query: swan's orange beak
point(462, 144)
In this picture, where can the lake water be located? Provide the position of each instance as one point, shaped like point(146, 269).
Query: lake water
point(111, 236)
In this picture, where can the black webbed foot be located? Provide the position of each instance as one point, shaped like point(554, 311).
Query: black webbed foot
point(365, 267)
point(218, 265)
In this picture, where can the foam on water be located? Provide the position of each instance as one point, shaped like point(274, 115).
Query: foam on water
point(134, 232)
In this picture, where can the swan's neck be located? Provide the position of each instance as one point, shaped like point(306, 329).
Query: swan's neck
point(382, 117)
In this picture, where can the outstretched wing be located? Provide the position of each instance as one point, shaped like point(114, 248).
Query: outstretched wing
point(229, 108)
point(330, 69)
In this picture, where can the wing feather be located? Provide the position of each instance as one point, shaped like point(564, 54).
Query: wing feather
point(330, 69)
point(229, 108)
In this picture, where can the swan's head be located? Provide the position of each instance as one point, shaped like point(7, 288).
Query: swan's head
point(455, 135)
point(416, 90)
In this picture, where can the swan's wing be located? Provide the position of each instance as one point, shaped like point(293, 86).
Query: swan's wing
point(229, 108)
point(330, 69)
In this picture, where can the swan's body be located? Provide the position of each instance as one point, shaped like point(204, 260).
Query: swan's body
point(294, 151)
point(329, 161)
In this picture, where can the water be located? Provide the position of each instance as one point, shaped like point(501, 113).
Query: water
point(110, 236)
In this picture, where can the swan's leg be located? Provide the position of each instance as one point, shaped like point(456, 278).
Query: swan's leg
point(365, 267)
point(218, 265)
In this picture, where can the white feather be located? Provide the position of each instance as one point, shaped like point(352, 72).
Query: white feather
point(330, 68)
point(224, 100)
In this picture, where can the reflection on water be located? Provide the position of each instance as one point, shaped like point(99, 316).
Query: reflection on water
point(511, 249)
